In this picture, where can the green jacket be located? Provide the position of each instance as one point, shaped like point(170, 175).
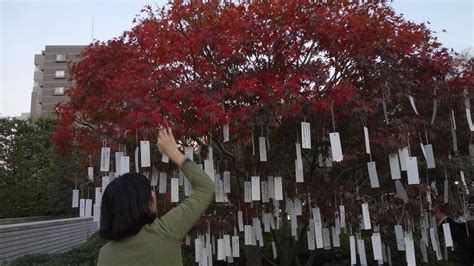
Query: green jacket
point(159, 243)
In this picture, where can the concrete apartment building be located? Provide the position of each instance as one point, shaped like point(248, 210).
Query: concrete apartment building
point(51, 77)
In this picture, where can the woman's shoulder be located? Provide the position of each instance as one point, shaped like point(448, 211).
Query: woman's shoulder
point(104, 252)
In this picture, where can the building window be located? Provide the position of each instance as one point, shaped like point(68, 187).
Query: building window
point(61, 58)
point(60, 74)
point(36, 83)
point(59, 91)
point(37, 68)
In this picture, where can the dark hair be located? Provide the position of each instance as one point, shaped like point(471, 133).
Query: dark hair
point(125, 207)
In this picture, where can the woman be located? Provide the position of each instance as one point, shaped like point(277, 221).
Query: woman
point(128, 214)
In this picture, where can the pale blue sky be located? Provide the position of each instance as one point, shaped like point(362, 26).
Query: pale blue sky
point(28, 25)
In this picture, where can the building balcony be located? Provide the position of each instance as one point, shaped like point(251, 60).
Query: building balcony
point(39, 59)
point(38, 75)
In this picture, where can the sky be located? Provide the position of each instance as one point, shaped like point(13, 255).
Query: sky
point(26, 26)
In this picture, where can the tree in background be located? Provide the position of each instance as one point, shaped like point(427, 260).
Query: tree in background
point(263, 68)
point(34, 179)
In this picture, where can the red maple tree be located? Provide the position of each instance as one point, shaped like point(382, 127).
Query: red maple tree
point(263, 67)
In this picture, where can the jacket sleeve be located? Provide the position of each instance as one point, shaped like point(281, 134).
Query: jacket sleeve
point(177, 222)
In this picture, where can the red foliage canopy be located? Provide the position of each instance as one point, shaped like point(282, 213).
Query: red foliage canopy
point(265, 67)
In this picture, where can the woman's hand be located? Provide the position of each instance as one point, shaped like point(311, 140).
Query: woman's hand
point(167, 145)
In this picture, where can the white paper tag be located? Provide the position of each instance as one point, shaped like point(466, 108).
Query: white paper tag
point(400, 237)
point(105, 159)
point(165, 158)
point(374, 179)
point(328, 161)
point(264, 190)
point(299, 158)
point(124, 165)
point(197, 250)
point(278, 188)
point(403, 155)
point(430, 161)
point(274, 250)
point(75, 198)
point(96, 217)
point(226, 181)
point(342, 216)
point(227, 246)
point(298, 173)
point(204, 256)
point(377, 246)
point(219, 189)
point(366, 216)
point(412, 171)
point(162, 186)
point(320, 160)
point(305, 135)
point(446, 191)
point(88, 211)
point(145, 153)
point(90, 173)
point(82, 207)
point(105, 182)
point(137, 170)
point(433, 239)
point(336, 149)
point(410, 251)
point(98, 196)
point(447, 235)
point(174, 190)
point(235, 247)
point(318, 228)
point(225, 132)
point(298, 207)
point(367, 143)
point(394, 166)
point(326, 239)
point(118, 157)
point(336, 242)
point(209, 168)
point(181, 178)
point(337, 223)
point(361, 250)
point(257, 227)
point(424, 252)
point(266, 221)
point(154, 178)
point(471, 153)
point(255, 188)
point(189, 153)
point(401, 193)
point(247, 191)
point(412, 102)
point(311, 243)
point(352, 244)
point(240, 219)
point(248, 235)
point(463, 180)
point(262, 147)
point(220, 249)
point(271, 187)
